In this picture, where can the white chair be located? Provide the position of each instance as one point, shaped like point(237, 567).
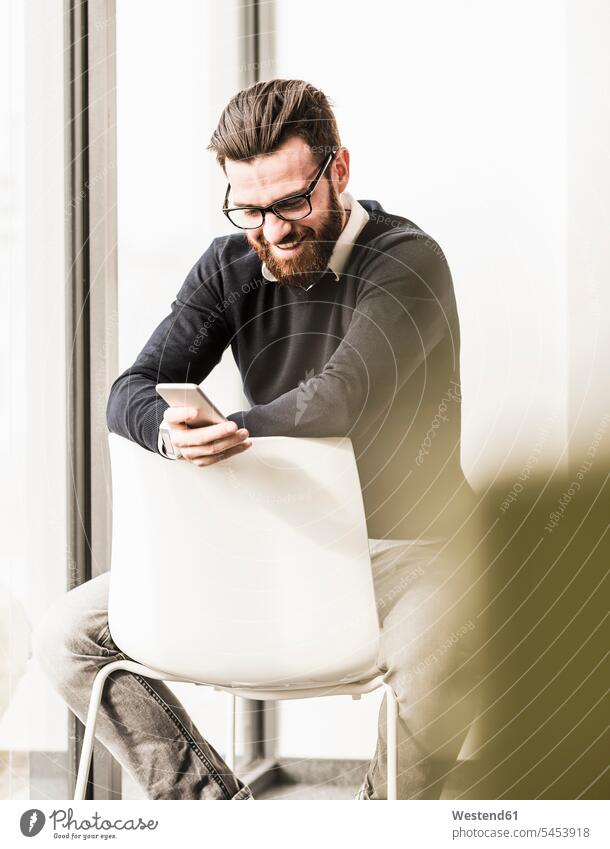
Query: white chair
point(252, 576)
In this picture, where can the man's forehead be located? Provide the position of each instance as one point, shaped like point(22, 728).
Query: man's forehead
point(285, 170)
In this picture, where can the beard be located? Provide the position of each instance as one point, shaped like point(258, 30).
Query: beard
point(309, 265)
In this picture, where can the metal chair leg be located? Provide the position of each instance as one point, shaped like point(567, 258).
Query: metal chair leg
point(230, 758)
point(89, 738)
point(391, 737)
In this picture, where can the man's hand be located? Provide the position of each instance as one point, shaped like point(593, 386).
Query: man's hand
point(205, 445)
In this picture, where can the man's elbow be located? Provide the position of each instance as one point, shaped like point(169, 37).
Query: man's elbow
point(115, 408)
point(338, 416)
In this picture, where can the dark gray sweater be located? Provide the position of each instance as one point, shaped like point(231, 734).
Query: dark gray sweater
point(373, 356)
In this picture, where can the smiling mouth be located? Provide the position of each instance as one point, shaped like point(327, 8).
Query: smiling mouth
point(289, 246)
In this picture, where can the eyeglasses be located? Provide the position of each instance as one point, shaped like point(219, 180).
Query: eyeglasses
point(292, 208)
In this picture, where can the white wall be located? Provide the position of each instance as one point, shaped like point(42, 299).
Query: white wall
point(588, 226)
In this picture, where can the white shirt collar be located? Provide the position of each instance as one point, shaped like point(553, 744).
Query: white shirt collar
point(355, 224)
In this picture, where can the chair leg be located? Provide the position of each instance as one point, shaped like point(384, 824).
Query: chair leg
point(391, 737)
point(230, 758)
point(87, 748)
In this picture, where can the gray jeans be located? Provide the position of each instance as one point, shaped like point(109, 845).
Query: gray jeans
point(427, 605)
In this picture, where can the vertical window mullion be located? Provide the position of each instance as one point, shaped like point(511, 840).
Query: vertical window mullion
point(77, 317)
point(258, 53)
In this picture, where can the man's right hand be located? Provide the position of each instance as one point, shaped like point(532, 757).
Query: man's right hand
point(205, 445)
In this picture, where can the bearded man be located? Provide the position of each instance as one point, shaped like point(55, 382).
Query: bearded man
point(342, 320)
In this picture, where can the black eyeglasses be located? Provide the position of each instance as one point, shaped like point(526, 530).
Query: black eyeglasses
point(292, 208)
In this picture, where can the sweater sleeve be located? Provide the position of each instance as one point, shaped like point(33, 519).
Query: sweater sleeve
point(184, 348)
point(405, 307)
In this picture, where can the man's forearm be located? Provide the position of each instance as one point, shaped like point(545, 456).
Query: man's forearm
point(135, 411)
point(318, 407)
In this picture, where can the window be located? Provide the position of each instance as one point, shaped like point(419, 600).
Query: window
point(170, 193)
point(33, 552)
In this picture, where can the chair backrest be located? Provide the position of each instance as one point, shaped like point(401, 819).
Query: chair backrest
point(252, 572)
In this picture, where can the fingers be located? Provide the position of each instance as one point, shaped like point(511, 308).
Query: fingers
point(197, 436)
point(224, 455)
point(205, 445)
point(217, 446)
point(180, 415)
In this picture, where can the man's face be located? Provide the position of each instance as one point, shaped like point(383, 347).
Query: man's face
point(295, 252)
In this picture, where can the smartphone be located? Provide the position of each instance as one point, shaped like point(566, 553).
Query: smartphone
point(191, 395)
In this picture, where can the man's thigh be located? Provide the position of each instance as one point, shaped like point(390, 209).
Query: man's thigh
point(77, 623)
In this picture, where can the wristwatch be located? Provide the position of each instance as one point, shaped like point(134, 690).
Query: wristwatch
point(165, 444)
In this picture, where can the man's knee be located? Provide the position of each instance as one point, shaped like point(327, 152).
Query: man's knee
point(70, 633)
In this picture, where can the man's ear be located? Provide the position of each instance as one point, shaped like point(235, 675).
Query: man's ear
point(340, 169)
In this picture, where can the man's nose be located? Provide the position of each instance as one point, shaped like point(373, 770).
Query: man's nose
point(275, 229)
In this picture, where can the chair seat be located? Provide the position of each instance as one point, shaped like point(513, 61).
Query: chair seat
point(337, 688)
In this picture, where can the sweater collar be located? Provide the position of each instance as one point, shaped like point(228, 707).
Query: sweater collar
point(344, 244)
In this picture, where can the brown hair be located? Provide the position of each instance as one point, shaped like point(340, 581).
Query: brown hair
point(258, 119)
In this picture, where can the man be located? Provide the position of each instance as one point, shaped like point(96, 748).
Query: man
point(342, 321)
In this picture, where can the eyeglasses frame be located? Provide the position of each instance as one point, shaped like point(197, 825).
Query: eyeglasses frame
point(306, 195)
